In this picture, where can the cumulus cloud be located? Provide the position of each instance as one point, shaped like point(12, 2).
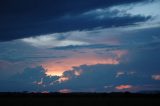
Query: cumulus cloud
point(130, 74)
point(31, 79)
point(97, 77)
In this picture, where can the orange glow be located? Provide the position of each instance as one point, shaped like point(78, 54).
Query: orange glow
point(65, 91)
point(122, 87)
point(57, 68)
point(62, 79)
point(77, 73)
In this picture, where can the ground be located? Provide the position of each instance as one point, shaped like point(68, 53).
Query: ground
point(74, 99)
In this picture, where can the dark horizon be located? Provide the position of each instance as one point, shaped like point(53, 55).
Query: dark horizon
point(114, 99)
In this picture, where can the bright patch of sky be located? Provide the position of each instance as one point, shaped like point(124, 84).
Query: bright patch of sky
point(49, 41)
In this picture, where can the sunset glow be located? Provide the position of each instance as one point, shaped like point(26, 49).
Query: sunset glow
point(123, 87)
point(64, 91)
point(58, 66)
point(54, 68)
point(62, 79)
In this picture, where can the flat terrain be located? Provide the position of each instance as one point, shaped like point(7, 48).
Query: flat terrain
point(83, 99)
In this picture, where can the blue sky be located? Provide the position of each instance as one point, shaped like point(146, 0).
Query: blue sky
point(82, 46)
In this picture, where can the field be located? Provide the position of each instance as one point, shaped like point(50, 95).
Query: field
point(74, 99)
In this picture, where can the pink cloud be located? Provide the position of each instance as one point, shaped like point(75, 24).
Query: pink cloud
point(54, 68)
point(63, 79)
point(122, 87)
point(60, 65)
point(65, 91)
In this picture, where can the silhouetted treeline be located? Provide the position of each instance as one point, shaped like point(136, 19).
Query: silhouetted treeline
point(80, 98)
point(78, 94)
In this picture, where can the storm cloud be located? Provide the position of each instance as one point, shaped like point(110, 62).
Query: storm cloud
point(20, 19)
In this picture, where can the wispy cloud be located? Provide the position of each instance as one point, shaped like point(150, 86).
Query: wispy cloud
point(49, 41)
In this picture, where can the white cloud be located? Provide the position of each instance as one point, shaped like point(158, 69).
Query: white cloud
point(147, 8)
point(119, 74)
point(50, 41)
point(103, 13)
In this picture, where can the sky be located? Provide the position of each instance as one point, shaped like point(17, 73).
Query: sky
point(79, 46)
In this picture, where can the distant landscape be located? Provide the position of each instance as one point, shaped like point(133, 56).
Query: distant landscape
point(63, 99)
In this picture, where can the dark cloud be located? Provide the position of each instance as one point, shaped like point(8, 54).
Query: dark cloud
point(142, 35)
point(26, 18)
point(92, 77)
point(137, 68)
point(98, 76)
point(9, 51)
point(93, 46)
point(31, 79)
point(55, 8)
point(145, 61)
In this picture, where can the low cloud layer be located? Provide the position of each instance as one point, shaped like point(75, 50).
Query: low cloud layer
point(131, 74)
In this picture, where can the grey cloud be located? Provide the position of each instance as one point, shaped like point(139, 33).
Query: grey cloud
point(17, 51)
point(31, 79)
point(31, 18)
point(138, 67)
